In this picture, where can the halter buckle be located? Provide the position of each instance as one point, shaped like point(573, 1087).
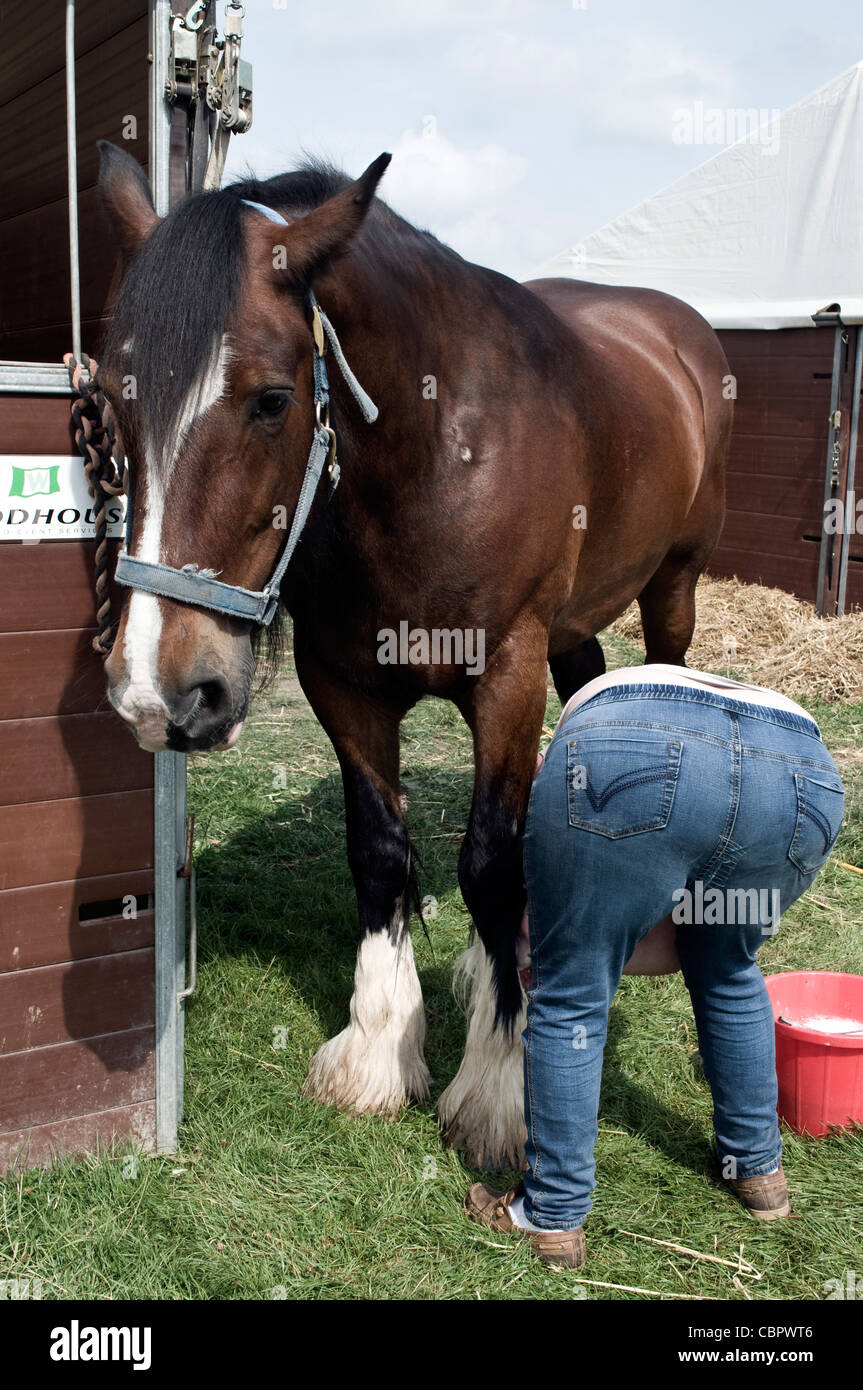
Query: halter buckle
point(332, 459)
point(318, 330)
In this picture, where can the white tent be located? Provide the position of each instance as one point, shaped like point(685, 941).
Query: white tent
point(765, 234)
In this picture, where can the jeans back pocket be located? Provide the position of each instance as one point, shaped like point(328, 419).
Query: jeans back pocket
point(621, 786)
point(820, 807)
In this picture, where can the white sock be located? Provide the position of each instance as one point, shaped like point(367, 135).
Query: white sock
point(523, 1222)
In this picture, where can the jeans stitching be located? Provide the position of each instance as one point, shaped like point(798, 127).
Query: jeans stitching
point(713, 863)
point(804, 809)
point(768, 714)
point(596, 727)
point(669, 774)
point(626, 781)
point(656, 726)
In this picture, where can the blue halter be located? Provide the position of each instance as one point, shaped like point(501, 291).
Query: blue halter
point(189, 584)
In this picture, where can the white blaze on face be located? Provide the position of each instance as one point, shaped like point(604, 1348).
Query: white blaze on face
point(142, 705)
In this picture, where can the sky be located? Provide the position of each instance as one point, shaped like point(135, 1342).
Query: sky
point(517, 127)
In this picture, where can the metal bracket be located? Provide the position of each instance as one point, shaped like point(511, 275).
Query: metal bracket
point(182, 77)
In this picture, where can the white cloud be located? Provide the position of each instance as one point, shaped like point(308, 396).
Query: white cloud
point(619, 82)
point(434, 182)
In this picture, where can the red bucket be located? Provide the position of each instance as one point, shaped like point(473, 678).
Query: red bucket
point(819, 1058)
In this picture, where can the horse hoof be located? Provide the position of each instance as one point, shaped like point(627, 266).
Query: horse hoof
point(376, 1076)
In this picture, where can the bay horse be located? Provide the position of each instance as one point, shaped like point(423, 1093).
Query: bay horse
point(543, 455)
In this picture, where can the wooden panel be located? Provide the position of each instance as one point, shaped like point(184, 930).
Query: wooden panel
point(788, 456)
point(35, 1147)
point(61, 1003)
point(778, 451)
point(780, 415)
point(776, 571)
point(49, 585)
point(46, 841)
point(76, 1078)
point(36, 424)
point(854, 592)
point(41, 925)
point(34, 264)
point(49, 344)
point(765, 532)
point(69, 755)
point(111, 83)
point(781, 342)
point(797, 572)
point(808, 376)
point(776, 495)
point(112, 79)
point(34, 38)
point(44, 673)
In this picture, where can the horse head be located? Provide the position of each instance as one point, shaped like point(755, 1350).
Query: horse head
point(208, 366)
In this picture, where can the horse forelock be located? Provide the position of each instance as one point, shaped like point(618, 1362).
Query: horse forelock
point(170, 318)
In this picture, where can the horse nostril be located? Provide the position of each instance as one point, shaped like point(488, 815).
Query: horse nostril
point(201, 713)
point(211, 694)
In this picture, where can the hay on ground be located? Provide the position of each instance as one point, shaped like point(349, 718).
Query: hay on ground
point(768, 637)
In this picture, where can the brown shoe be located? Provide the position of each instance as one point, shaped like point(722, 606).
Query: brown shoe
point(765, 1197)
point(491, 1207)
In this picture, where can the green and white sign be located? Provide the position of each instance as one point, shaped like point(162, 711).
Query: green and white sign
point(44, 497)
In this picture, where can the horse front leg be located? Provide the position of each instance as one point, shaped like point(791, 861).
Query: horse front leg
point(482, 1109)
point(376, 1063)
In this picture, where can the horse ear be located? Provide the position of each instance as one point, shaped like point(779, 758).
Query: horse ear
point(126, 196)
point(328, 230)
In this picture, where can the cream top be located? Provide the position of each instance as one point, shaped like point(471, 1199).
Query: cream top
point(658, 674)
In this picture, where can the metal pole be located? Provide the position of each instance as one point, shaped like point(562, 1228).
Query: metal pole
point(160, 109)
point(72, 162)
point(170, 768)
point(829, 480)
point(850, 512)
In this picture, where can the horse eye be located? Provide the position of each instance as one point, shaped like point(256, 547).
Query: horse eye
point(273, 402)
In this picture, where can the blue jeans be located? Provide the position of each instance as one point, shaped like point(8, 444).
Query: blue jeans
point(657, 800)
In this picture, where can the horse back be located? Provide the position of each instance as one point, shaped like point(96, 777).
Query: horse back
point(636, 334)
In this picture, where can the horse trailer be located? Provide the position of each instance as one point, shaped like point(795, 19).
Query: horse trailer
point(95, 857)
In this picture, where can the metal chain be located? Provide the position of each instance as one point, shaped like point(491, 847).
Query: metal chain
point(101, 449)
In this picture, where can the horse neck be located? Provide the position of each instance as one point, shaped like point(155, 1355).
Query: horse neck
point(396, 315)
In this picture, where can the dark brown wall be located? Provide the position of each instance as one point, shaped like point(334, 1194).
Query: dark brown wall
point(77, 1013)
point(76, 839)
point(112, 83)
point(778, 452)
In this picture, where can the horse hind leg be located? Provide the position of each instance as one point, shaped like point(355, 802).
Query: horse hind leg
point(667, 601)
point(572, 669)
point(482, 1109)
point(667, 604)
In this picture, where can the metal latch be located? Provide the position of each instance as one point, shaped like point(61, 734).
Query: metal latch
point(836, 452)
point(184, 55)
point(229, 77)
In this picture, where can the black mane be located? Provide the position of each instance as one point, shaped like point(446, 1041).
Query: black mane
point(180, 290)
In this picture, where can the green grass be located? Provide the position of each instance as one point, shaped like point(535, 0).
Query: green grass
point(272, 1195)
